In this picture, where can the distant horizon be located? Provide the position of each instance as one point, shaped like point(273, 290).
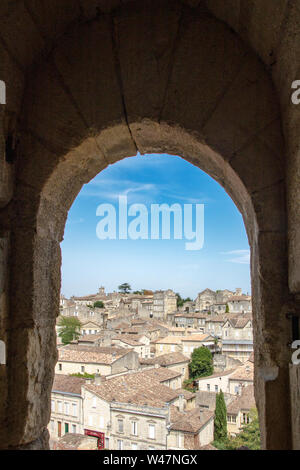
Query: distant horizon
point(155, 264)
point(153, 290)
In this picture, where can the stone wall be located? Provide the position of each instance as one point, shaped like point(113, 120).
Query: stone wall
point(89, 83)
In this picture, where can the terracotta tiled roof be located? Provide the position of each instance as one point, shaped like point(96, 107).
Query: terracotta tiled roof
point(161, 373)
point(244, 402)
point(202, 337)
point(189, 421)
point(67, 383)
point(90, 338)
point(187, 395)
point(238, 298)
point(244, 372)
point(218, 374)
point(86, 354)
point(72, 441)
point(137, 387)
point(169, 340)
point(166, 359)
point(128, 339)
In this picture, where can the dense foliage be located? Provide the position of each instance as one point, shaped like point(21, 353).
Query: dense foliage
point(69, 329)
point(248, 438)
point(125, 288)
point(201, 364)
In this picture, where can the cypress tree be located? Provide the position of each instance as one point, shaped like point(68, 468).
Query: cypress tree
point(220, 425)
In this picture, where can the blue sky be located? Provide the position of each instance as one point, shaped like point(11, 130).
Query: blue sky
point(89, 262)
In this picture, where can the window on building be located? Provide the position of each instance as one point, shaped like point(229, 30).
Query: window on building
point(82, 368)
point(52, 405)
point(134, 428)
point(66, 428)
point(134, 446)
point(208, 387)
point(107, 443)
point(94, 402)
point(152, 431)
point(59, 366)
point(74, 428)
point(216, 388)
point(120, 425)
point(59, 406)
point(74, 409)
point(120, 444)
point(172, 348)
point(246, 419)
point(67, 408)
point(160, 347)
point(52, 425)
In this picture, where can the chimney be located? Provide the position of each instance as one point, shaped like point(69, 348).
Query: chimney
point(99, 379)
point(181, 402)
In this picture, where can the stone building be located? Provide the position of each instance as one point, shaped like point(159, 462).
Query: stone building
point(239, 304)
point(76, 359)
point(138, 343)
point(66, 406)
point(230, 381)
point(211, 81)
point(237, 337)
point(204, 300)
point(168, 344)
point(191, 342)
point(175, 361)
point(164, 303)
point(239, 409)
point(138, 412)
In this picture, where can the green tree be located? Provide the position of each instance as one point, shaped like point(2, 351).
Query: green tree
point(98, 304)
point(220, 423)
point(201, 363)
point(250, 435)
point(69, 329)
point(125, 288)
point(180, 300)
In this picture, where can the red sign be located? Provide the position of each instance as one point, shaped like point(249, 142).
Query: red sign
point(99, 435)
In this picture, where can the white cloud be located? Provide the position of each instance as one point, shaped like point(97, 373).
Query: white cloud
point(239, 256)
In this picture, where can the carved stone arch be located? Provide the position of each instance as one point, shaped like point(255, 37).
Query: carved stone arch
point(108, 89)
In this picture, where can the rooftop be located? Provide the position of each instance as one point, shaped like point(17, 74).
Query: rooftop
point(67, 383)
point(86, 354)
point(244, 402)
point(166, 359)
point(189, 421)
point(138, 388)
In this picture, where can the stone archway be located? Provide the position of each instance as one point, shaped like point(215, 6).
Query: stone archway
point(114, 85)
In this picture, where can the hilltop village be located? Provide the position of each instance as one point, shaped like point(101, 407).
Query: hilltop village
point(122, 384)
